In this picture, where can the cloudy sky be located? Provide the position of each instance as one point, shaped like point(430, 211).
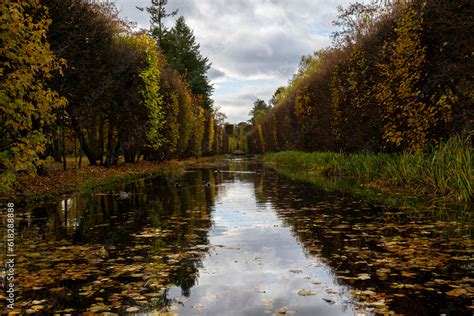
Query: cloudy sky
point(254, 45)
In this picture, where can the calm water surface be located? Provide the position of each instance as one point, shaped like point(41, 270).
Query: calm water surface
point(237, 240)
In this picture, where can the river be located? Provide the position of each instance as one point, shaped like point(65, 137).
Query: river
point(237, 239)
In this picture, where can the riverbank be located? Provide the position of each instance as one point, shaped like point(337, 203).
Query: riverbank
point(443, 177)
point(59, 182)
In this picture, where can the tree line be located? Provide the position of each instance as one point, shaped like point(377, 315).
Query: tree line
point(76, 79)
point(398, 77)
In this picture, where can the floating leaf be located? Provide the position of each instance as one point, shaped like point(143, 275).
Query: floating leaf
point(267, 303)
point(457, 292)
point(198, 306)
point(282, 310)
point(304, 292)
point(363, 276)
point(37, 307)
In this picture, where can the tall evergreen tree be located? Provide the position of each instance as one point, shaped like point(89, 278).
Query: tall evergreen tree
point(182, 52)
point(158, 14)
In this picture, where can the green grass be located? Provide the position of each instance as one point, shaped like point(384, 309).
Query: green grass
point(445, 173)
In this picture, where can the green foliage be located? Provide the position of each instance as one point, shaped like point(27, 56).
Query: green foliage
point(197, 134)
point(447, 171)
point(451, 170)
point(27, 103)
point(182, 52)
point(177, 103)
point(185, 118)
point(259, 111)
point(150, 75)
point(208, 140)
point(124, 97)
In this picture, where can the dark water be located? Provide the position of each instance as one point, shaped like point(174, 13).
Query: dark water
point(238, 240)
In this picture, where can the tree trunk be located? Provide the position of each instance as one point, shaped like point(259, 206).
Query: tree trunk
point(101, 141)
point(63, 138)
point(82, 141)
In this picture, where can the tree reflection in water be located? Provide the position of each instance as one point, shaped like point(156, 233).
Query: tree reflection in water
point(94, 252)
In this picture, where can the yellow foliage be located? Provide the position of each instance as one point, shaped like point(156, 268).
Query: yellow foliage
point(407, 114)
point(27, 104)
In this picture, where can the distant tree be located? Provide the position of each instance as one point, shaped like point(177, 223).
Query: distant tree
point(185, 117)
point(258, 112)
point(26, 63)
point(197, 135)
point(209, 132)
point(219, 121)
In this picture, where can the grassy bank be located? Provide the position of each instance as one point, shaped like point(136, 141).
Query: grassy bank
point(89, 178)
point(445, 175)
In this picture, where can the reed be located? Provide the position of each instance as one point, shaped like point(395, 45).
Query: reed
point(446, 171)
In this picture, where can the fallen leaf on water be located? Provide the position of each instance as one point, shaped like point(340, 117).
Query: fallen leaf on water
point(363, 276)
point(198, 306)
point(407, 274)
point(37, 307)
point(378, 303)
point(304, 292)
point(456, 292)
point(282, 310)
point(399, 295)
point(267, 303)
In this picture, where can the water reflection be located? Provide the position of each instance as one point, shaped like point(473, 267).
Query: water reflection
point(255, 267)
point(409, 263)
point(237, 239)
point(99, 253)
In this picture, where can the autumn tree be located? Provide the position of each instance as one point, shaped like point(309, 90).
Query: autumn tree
point(396, 79)
point(141, 117)
point(178, 115)
point(26, 63)
point(409, 115)
point(197, 134)
point(83, 33)
point(185, 117)
point(356, 21)
point(258, 111)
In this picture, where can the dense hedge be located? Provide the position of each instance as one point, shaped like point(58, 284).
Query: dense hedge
point(400, 79)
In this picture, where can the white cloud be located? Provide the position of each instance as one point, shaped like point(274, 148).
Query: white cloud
point(237, 103)
point(248, 40)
